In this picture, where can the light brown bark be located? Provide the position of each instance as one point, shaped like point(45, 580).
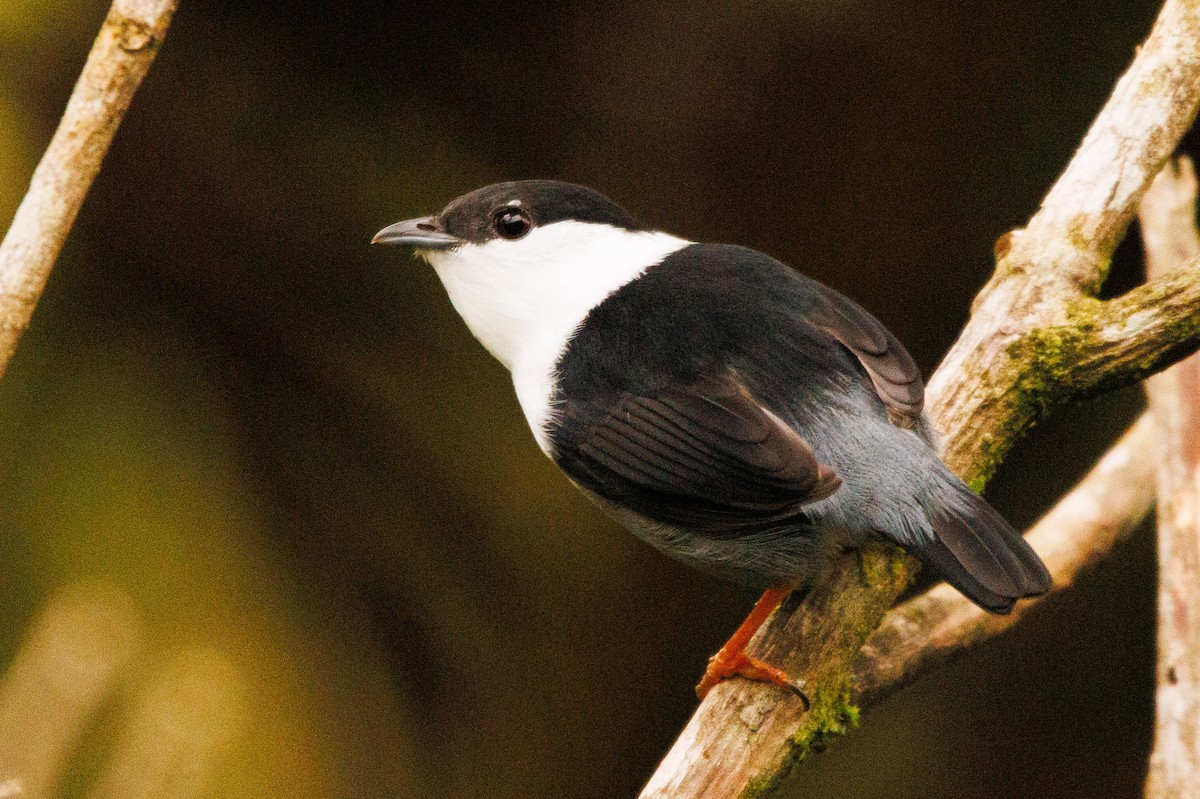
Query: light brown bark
point(1173, 243)
point(121, 55)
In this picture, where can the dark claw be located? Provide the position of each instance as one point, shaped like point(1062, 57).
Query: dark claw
point(797, 688)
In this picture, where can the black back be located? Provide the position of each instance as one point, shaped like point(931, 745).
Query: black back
point(751, 339)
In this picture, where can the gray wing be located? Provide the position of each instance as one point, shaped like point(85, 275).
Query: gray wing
point(706, 457)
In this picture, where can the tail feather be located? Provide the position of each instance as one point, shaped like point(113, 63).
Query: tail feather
point(974, 549)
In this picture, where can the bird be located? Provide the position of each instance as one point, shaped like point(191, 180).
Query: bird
point(733, 413)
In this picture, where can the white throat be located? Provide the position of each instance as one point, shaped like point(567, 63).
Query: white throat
point(524, 299)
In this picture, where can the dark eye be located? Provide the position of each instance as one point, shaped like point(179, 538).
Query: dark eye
point(511, 223)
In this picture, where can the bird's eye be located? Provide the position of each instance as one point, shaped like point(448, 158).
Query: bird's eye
point(511, 223)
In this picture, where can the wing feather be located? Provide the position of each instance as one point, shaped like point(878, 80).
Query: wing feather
point(895, 376)
point(706, 456)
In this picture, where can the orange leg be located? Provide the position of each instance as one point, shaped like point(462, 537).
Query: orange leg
point(733, 660)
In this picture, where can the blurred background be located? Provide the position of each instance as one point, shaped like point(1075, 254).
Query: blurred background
point(271, 523)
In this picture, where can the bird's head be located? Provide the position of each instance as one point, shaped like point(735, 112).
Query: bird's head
point(525, 261)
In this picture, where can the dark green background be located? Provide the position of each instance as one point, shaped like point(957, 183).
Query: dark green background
point(286, 446)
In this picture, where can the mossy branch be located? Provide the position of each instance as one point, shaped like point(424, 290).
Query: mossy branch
point(1107, 345)
point(119, 59)
point(1142, 332)
point(1000, 377)
point(1098, 347)
point(1061, 256)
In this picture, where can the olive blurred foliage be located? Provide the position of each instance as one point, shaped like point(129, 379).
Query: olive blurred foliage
point(270, 522)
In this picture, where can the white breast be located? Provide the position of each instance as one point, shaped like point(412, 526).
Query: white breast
point(524, 299)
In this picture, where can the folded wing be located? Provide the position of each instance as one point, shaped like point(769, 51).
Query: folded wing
point(707, 457)
point(895, 376)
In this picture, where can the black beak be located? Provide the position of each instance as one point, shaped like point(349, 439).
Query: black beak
point(425, 233)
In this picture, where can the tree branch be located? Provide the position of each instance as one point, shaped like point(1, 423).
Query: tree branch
point(1092, 203)
point(1000, 376)
point(121, 55)
point(1172, 242)
point(1103, 346)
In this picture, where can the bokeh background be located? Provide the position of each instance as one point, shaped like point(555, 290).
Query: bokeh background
point(270, 518)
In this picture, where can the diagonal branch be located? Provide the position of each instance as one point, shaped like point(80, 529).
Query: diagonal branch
point(1000, 376)
point(982, 395)
point(1101, 346)
point(120, 58)
point(1090, 206)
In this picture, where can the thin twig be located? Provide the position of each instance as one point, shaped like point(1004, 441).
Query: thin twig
point(1172, 242)
point(1104, 508)
point(121, 55)
point(1001, 375)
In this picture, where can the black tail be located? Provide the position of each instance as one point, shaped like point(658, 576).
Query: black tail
point(980, 554)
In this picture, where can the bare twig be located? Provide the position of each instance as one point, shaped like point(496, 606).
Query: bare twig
point(1085, 525)
point(1172, 243)
point(120, 57)
point(1002, 374)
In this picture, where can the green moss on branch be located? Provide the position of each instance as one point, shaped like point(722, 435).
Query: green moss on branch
point(832, 715)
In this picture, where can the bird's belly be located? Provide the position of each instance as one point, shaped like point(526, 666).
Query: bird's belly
point(789, 554)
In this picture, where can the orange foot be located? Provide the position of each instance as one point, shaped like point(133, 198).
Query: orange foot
point(732, 660)
point(738, 664)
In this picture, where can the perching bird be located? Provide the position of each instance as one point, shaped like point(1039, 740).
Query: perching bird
point(731, 412)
